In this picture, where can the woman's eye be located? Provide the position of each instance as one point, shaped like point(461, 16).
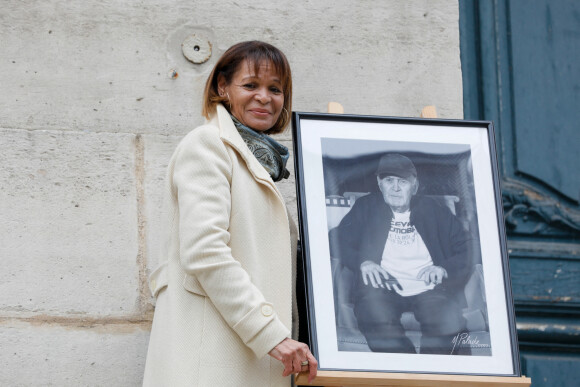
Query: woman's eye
point(275, 90)
point(249, 86)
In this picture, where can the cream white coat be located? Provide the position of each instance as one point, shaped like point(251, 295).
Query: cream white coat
point(225, 293)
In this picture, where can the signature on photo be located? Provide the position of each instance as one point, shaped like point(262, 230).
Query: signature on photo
point(465, 339)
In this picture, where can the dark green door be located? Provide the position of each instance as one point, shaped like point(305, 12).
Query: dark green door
point(521, 69)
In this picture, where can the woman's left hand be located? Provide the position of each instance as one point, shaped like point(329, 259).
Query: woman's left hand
point(292, 353)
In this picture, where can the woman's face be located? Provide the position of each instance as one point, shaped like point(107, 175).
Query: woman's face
point(256, 100)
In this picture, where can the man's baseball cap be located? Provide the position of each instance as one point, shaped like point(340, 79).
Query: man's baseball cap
point(394, 164)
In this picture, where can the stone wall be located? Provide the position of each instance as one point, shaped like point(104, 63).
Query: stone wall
point(95, 96)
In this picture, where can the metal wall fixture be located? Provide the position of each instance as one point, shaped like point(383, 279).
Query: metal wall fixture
point(196, 48)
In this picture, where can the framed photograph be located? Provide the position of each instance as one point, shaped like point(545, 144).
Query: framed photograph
point(404, 245)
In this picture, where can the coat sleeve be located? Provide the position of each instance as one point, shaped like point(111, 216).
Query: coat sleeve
point(202, 173)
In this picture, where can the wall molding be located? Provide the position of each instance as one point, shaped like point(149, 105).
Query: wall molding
point(529, 212)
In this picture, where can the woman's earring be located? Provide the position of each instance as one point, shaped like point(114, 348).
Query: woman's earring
point(227, 100)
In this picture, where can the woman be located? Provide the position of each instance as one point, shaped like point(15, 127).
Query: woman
point(225, 295)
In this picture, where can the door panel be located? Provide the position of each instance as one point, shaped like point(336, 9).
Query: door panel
point(551, 369)
point(544, 37)
point(521, 70)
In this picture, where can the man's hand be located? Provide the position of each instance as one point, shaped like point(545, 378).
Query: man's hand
point(432, 275)
point(371, 273)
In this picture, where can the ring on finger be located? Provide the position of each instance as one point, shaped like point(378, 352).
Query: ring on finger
point(304, 363)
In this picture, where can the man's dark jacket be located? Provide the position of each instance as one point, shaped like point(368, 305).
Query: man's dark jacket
point(363, 232)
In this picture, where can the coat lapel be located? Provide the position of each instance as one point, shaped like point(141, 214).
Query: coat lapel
point(230, 135)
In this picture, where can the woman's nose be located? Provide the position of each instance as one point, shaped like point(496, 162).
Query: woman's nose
point(263, 96)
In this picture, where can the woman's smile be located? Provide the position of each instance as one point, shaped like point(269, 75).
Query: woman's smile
point(260, 112)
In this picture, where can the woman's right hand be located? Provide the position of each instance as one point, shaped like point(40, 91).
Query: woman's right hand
point(292, 353)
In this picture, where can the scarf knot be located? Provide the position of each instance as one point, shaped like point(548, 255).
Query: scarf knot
point(272, 155)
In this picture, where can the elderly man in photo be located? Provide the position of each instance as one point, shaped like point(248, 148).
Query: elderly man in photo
point(409, 253)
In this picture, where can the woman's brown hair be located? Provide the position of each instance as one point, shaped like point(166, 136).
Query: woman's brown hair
point(256, 53)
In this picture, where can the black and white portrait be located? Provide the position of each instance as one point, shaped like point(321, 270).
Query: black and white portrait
point(404, 246)
point(403, 242)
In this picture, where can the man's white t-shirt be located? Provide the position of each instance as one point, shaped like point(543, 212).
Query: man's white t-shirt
point(405, 255)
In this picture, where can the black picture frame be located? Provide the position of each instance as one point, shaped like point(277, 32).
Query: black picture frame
point(457, 188)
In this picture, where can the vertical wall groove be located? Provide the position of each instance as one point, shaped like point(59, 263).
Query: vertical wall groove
point(143, 305)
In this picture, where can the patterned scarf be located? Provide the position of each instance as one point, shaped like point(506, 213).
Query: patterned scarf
point(271, 154)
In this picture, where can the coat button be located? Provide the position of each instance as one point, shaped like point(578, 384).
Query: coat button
point(267, 310)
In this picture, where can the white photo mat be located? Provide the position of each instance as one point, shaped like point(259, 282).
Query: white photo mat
point(421, 136)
